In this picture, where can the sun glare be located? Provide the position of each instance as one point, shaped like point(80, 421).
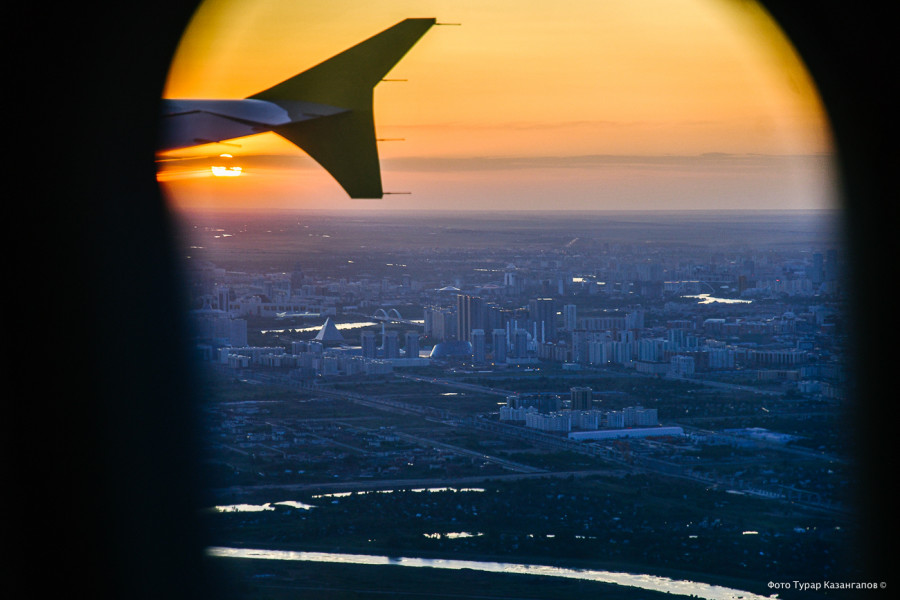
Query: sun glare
point(218, 171)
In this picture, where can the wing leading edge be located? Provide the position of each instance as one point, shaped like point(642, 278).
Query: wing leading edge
point(327, 110)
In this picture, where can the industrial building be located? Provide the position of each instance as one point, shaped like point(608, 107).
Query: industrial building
point(613, 434)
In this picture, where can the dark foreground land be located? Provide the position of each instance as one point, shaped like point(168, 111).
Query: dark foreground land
point(277, 580)
point(281, 580)
point(671, 529)
point(603, 516)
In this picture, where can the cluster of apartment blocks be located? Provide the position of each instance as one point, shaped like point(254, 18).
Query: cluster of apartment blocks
point(308, 359)
point(597, 341)
point(603, 340)
point(545, 412)
point(588, 423)
point(532, 333)
point(390, 345)
point(566, 420)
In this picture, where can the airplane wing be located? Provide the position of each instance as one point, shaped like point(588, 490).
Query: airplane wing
point(190, 122)
point(327, 110)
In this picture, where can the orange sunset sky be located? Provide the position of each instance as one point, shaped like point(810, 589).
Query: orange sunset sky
point(563, 105)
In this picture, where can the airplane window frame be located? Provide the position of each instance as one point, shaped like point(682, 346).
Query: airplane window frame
point(120, 486)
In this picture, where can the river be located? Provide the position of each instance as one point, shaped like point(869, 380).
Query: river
point(707, 299)
point(340, 326)
point(645, 582)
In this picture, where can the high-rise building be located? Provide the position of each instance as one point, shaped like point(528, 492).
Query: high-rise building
point(478, 346)
point(498, 345)
point(579, 342)
point(677, 339)
point(297, 279)
point(615, 419)
point(549, 422)
point(634, 319)
point(512, 282)
point(681, 366)
point(519, 346)
point(367, 341)
point(600, 352)
point(390, 344)
point(224, 296)
point(638, 416)
point(469, 314)
point(412, 344)
point(543, 312)
point(569, 317)
point(817, 270)
point(582, 398)
point(440, 322)
point(493, 316)
point(646, 417)
point(651, 349)
point(217, 326)
point(428, 321)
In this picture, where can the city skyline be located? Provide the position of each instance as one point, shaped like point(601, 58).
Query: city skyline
point(633, 389)
point(691, 105)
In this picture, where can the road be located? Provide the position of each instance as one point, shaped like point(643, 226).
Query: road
point(506, 464)
point(472, 387)
point(327, 487)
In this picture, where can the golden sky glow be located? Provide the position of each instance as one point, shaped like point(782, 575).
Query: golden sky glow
point(571, 104)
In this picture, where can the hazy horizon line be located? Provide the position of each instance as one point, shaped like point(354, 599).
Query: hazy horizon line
point(445, 211)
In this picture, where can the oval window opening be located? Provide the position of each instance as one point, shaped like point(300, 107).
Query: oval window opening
point(505, 287)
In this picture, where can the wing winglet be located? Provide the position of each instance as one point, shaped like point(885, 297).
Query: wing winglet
point(344, 144)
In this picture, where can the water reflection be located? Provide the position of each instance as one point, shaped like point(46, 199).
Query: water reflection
point(261, 507)
point(414, 490)
point(707, 299)
point(453, 535)
point(645, 582)
point(352, 325)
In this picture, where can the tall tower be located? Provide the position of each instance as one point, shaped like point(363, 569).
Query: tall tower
point(478, 351)
point(412, 344)
point(297, 279)
point(470, 315)
point(582, 398)
point(543, 313)
point(817, 272)
point(367, 341)
point(390, 344)
point(498, 344)
point(519, 344)
point(580, 340)
point(569, 317)
point(224, 296)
